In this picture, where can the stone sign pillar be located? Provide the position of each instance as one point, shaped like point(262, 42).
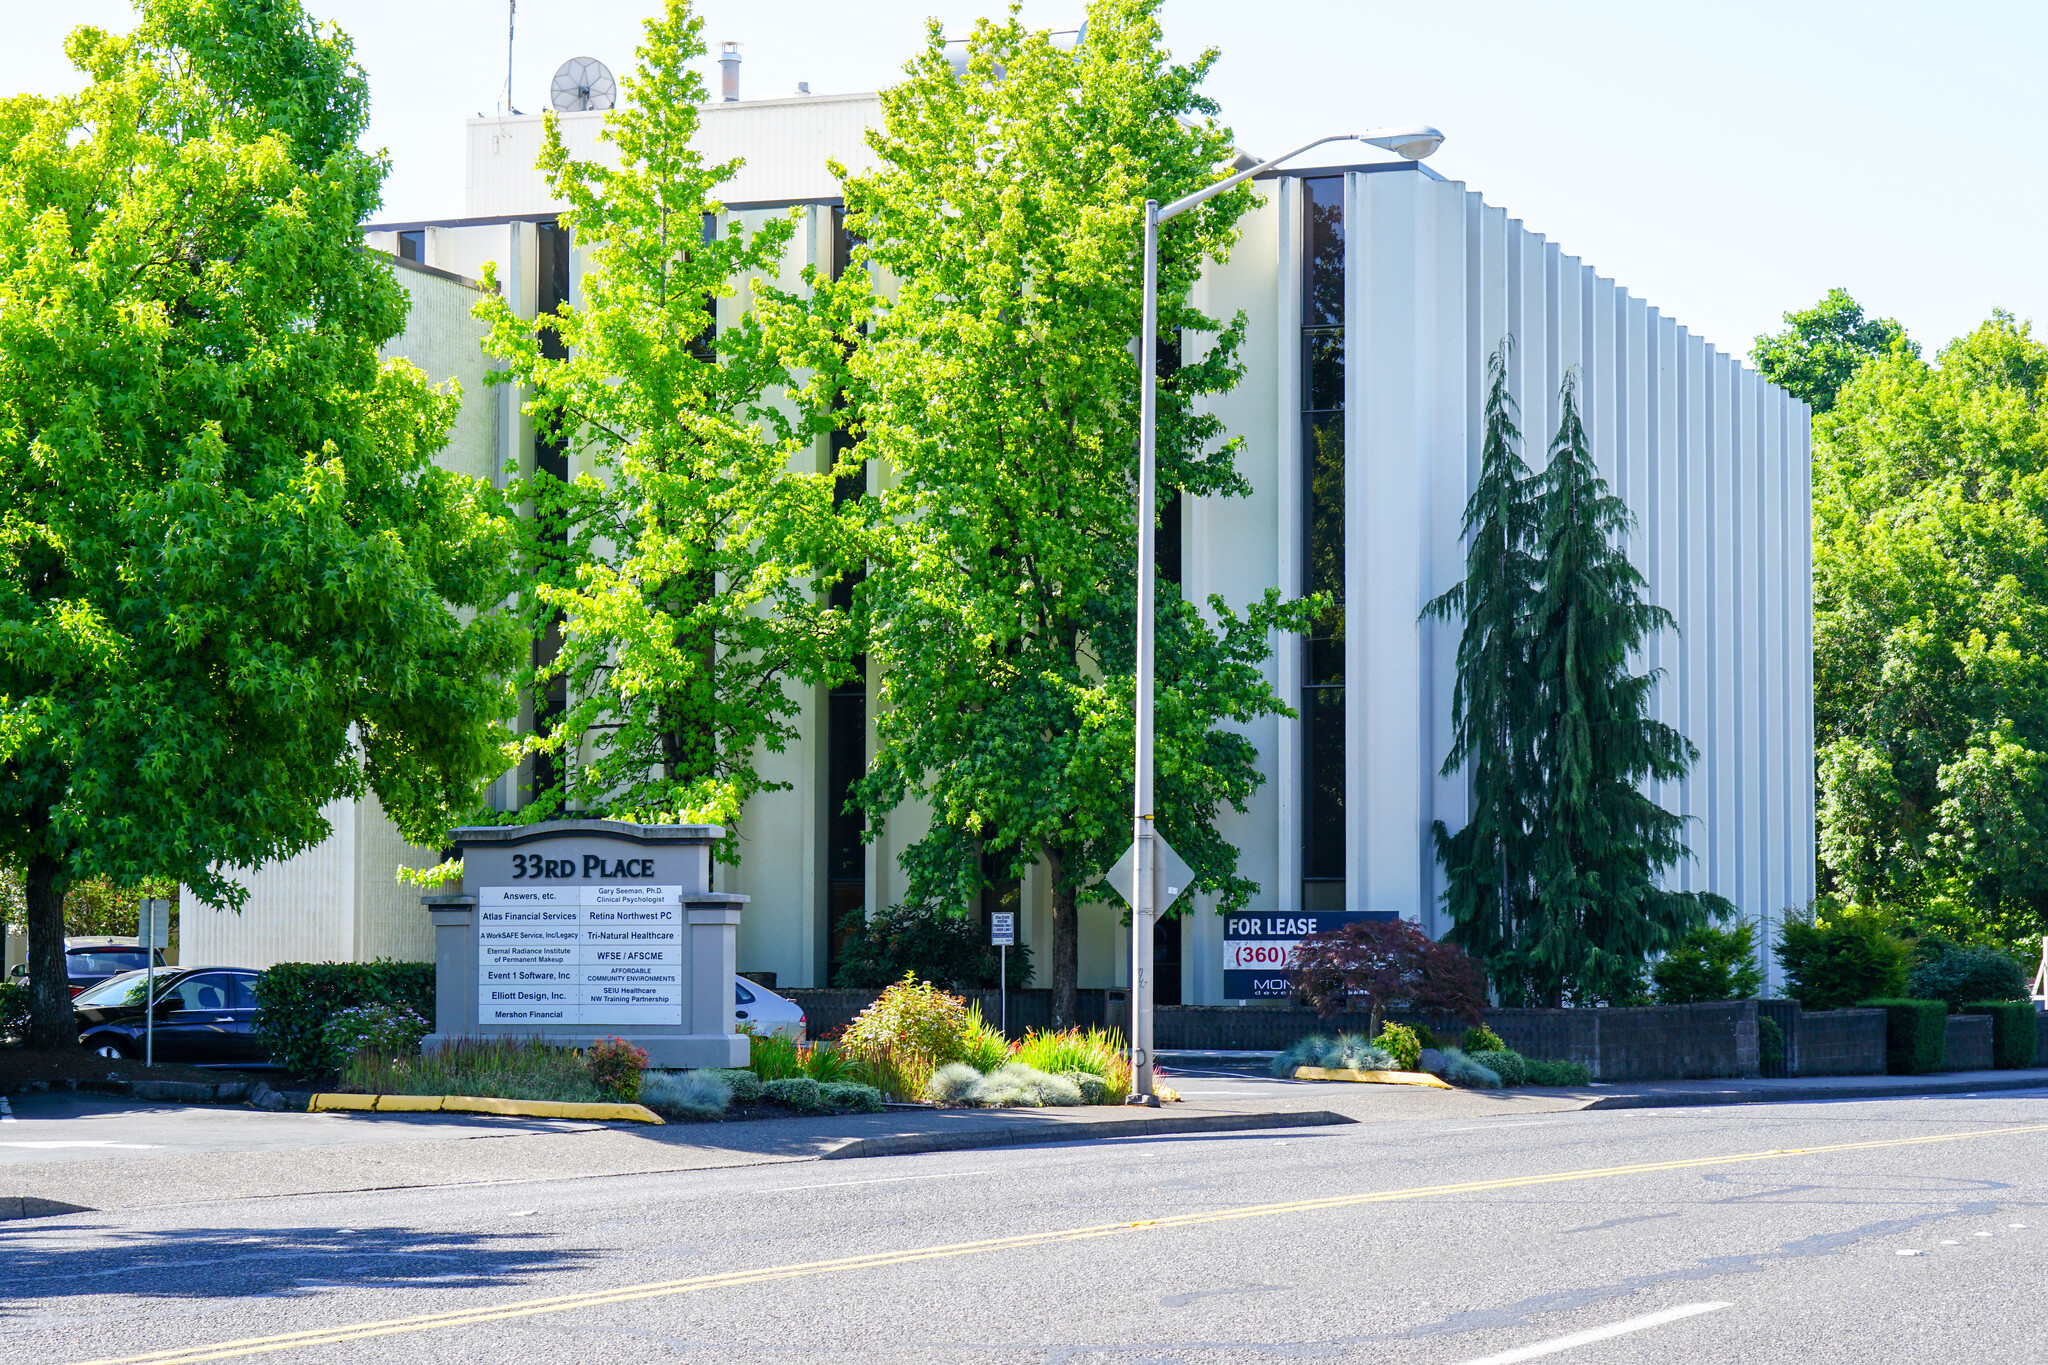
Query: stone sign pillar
point(575, 930)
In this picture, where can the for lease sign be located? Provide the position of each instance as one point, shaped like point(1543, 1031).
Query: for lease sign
point(1258, 947)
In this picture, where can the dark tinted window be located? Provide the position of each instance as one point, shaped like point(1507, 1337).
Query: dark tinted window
point(105, 962)
point(241, 990)
point(206, 991)
point(741, 995)
point(412, 246)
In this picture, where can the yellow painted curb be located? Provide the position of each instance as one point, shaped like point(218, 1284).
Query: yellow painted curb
point(1317, 1073)
point(475, 1104)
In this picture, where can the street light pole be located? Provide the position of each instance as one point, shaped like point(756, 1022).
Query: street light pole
point(1414, 142)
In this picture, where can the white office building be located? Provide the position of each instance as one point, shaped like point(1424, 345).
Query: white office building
point(1374, 294)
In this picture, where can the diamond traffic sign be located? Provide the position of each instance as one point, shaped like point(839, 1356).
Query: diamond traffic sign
point(1174, 876)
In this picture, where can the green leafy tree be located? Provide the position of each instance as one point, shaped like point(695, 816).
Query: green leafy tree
point(680, 568)
point(1709, 964)
point(229, 563)
point(1931, 635)
point(1835, 962)
point(1598, 910)
point(998, 386)
point(951, 951)
point(1962, 975)
point(1824, 346)
point(1489, 864)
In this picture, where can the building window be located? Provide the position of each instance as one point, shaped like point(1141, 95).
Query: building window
point(412, 246)
point(1166, 544)
point(550, 456)
point(1322, 444)
point(846, 713)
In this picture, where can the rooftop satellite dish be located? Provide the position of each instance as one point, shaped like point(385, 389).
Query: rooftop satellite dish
point(583, 83)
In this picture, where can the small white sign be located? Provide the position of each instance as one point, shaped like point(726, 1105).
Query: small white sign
point(1002, 929)
point(154, 928)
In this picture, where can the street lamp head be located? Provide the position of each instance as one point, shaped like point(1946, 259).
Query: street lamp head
point(1415, 141)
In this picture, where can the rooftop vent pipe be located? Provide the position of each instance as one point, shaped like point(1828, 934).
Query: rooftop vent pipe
point(729, 71)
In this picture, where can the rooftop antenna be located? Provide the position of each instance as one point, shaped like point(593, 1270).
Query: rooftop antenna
point(511, 20)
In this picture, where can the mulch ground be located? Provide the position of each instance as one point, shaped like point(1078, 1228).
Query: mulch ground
point(19, 1064)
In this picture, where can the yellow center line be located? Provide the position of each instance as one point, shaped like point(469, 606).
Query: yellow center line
point(562, 1303)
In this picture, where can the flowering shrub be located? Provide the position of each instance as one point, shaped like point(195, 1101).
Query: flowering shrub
point(911, 1030)
point(614, 1066)
point(387, 1028)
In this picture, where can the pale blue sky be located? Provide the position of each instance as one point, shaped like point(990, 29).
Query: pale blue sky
point(1725, 161)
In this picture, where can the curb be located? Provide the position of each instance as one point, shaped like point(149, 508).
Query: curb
point(473, 1104)
point(1680, 1099)
point(16, 1206)
point(1317, 1073)
point(905, 1144)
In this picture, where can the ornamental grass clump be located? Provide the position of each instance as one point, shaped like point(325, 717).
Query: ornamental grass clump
point(984, 1048)
point(951, 1084)
point(911, 1030)
point(1301, 1052)
point(1460, 1069)
point(772, 1056)
point(494, 1068)
point(691, 1094)
point(1023, 1087)
point(824, 1063)
point(1351, 1052)
point(1099, 1052)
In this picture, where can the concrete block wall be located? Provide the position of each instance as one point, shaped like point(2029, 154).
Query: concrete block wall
point(1839, 1043)
point(1969, 1043)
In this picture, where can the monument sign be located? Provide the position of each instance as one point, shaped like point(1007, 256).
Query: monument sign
point(575, 930)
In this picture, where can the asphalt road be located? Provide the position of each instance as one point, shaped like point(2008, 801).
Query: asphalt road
point(1876, 1230)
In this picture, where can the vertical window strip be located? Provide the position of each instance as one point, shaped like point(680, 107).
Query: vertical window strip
point(1322, 426)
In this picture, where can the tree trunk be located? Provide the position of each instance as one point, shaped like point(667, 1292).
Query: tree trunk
point(1066, 952)
point(51, 1023)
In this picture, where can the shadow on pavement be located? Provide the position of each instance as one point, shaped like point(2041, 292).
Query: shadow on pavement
point(231, 1262)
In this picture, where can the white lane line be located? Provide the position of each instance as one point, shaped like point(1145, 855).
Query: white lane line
point(52, 1146)
point(1587, 1338)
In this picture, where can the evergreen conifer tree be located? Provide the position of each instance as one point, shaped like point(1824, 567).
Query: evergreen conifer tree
point(1598, 912)
point(1489, 862)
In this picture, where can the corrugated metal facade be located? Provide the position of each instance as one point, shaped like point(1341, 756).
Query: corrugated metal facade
point(1713, 461)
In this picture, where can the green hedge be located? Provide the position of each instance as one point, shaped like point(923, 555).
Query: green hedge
point(295, 999)
point(1915, 1034)
point(2013, 1031)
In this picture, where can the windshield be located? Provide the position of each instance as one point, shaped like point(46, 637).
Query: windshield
point(101, 961)
point(125, 989)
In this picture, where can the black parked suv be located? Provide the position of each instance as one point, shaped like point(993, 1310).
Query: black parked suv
point(205, 1016)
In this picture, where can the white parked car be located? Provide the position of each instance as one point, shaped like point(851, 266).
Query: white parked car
point(767, 1012)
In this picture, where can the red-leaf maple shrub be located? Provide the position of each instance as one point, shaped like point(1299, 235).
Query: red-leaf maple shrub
point(1389, 964)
